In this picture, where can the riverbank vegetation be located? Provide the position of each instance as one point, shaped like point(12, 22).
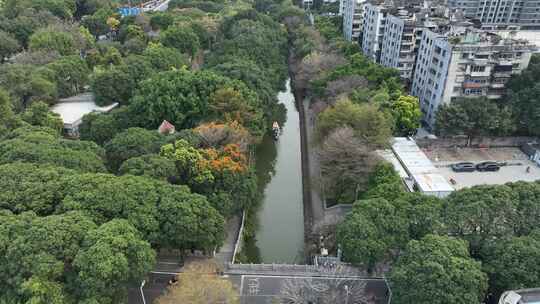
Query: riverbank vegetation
point(347, 90)
point(433, 250)
point(83, 219)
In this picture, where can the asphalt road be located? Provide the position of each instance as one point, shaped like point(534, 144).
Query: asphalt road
point(157, 281)
point(256, 289)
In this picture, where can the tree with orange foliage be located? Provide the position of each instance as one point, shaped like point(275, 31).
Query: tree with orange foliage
point(215, 135)
point(221, 173)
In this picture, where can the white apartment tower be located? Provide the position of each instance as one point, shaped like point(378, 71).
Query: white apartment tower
point(398, 46)
point(373, 31)
point(353, 11)
point(470, 65)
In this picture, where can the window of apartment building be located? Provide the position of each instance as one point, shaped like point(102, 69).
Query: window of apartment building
point(473, 91)
point(515, 66)
point(477, 68)
point(465, 55)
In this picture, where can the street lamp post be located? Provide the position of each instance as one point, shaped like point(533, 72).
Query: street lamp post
point(142, 293)
point(346, 294)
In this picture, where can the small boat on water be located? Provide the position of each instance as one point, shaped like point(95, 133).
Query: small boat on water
point(275, 130)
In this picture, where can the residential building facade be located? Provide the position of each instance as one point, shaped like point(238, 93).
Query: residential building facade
point(518, 14)
point(398, 43)
point(374, 22)
point(470, 65)
point(353, 11)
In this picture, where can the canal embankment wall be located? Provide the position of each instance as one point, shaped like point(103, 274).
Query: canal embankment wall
point(299, 96)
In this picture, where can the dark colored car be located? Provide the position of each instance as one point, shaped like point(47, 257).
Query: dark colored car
point(488, 166)
point(463, 167)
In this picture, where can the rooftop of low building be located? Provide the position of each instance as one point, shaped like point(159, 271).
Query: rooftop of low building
point(72, 109)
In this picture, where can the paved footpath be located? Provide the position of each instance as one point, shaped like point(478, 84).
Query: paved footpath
point(225, 253)
point(314, 167)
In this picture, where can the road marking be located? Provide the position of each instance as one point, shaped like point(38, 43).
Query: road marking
point(162, 272)
point(314, 277)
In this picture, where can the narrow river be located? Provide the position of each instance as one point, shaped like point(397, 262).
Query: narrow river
point(280, 234)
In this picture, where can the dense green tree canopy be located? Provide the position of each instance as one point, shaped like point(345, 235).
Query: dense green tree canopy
point(38, 114)
point(98, 128)
point(40, 251)
point(367, 121)
point(97, 22)
point(183, 39)
point(42, 148)
point(481, 214)
point(527, 208)
point(29, 187)
point(191, 224)
point(118, 83)
point(181, 97)
point(130, 143)
point(407, 114)
point(149, 165)
point(523, 94)
point(8, 120)
point(474, 117)
point(27, 83)
point(66, 258)
point(437, 269)
point(51, 39)
point(513, 263)
point(8, 47)
point(111, 257)
point(252, 75)
point(71, 75)
point(164, 59)
point(371, 230)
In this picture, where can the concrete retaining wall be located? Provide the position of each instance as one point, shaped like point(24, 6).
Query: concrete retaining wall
point(475, 142)
point(239, 238)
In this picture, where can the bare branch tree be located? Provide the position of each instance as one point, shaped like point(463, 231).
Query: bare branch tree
point(346, 163)
point(344, 86)
point(316, 64)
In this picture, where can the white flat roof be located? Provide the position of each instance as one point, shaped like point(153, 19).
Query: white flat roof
point(432, 182)
point(389, 156)
point(413, 159)
point(419, 166)
point(74, 108)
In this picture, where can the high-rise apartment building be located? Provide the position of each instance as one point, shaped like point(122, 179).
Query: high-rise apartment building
point(470, 64)
point(373, 29)
point(398, 45)
point(493, 14)
point(353, 11)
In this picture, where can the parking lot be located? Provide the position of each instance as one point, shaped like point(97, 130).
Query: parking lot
point(515, 170)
